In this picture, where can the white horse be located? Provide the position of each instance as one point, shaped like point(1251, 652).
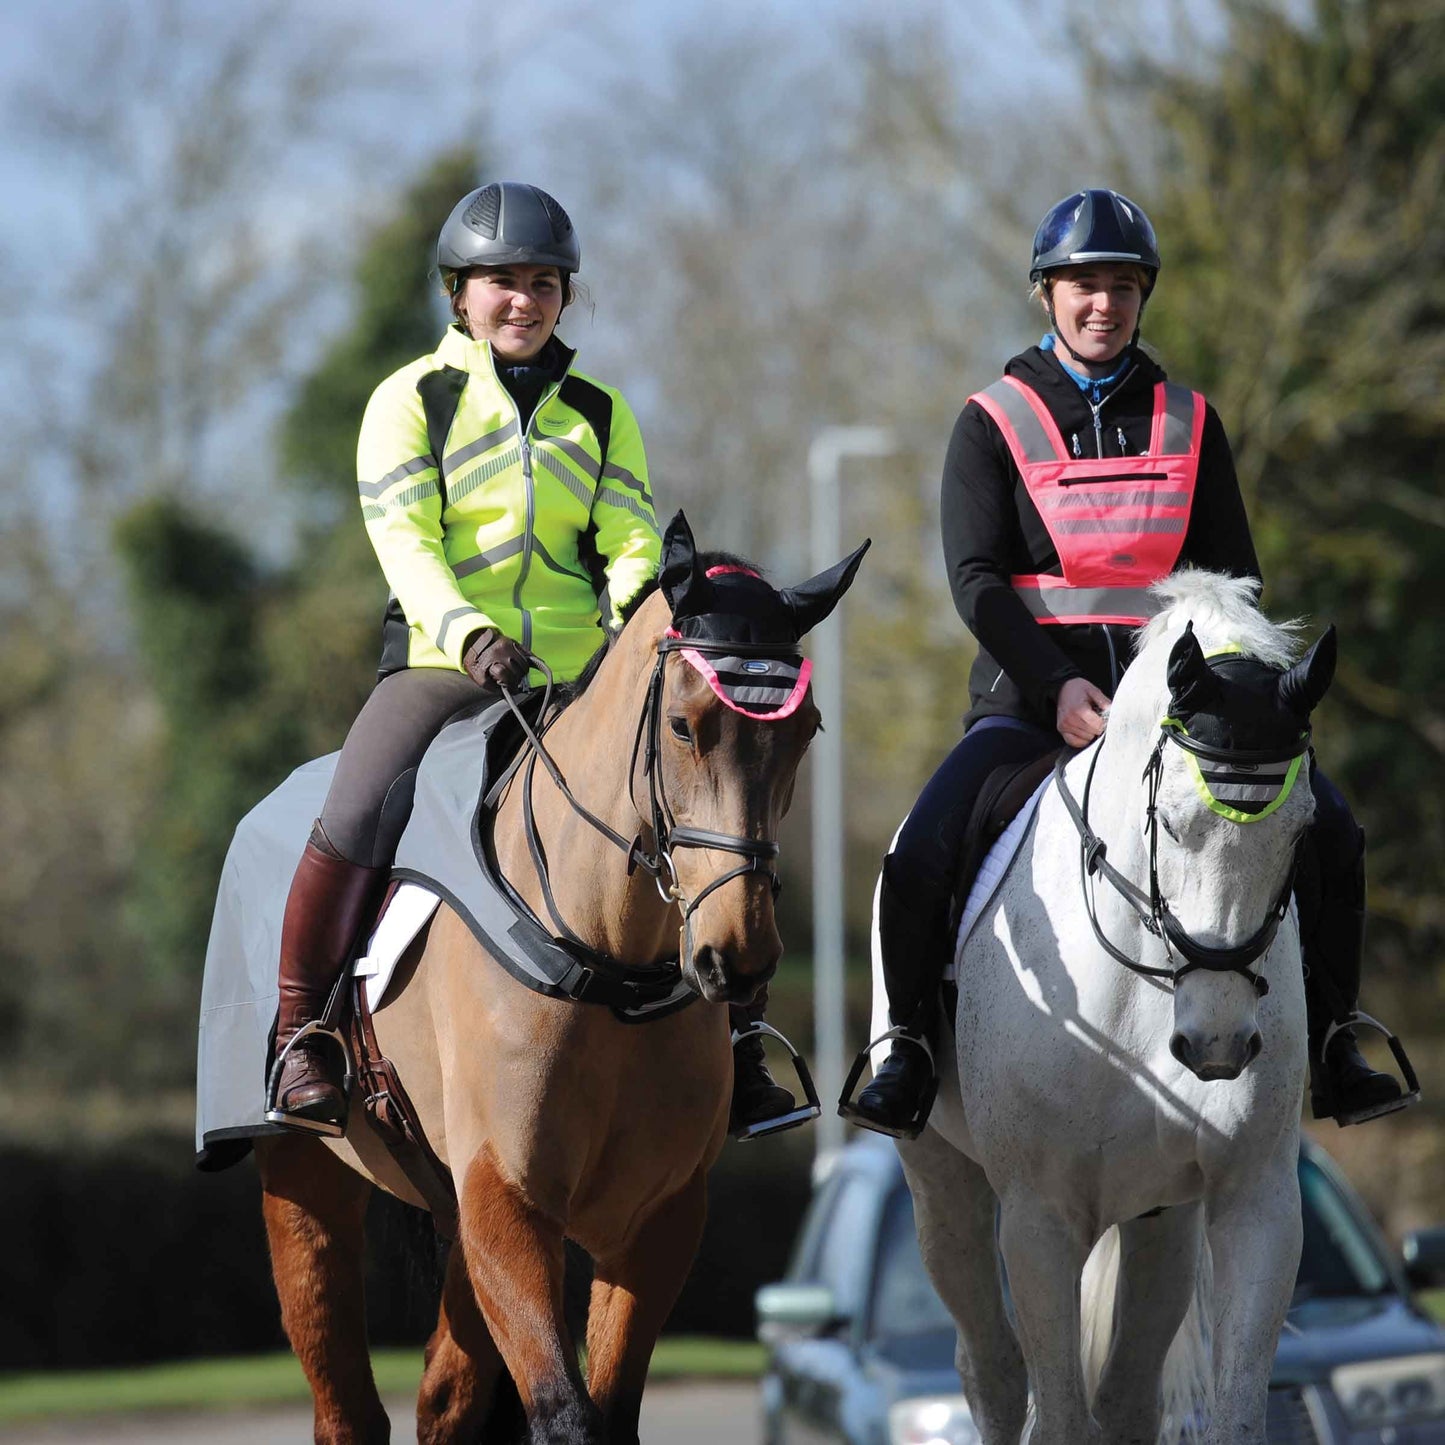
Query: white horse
point(1151, 1118)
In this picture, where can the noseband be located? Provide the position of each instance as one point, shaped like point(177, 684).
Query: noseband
point(667, 836)
point(1152, 907)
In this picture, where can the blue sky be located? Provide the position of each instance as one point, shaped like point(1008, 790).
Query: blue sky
point(472, 65)
point(522, 80)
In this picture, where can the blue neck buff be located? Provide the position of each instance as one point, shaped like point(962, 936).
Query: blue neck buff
point(1092, 387)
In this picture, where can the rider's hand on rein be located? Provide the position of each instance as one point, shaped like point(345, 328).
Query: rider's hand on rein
point(492, 660)
point(1082, 712)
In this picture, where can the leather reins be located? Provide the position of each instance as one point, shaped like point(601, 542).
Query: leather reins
point(1152, 907)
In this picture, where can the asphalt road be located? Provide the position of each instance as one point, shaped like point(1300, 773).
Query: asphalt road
point(674, 1414)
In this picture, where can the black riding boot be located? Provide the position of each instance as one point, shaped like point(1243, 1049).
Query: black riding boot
point(1343, 1085)
point(760, 1104)
point(900, 1096)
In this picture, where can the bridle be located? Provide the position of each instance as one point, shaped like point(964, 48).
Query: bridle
point(1152, 907)
point(667, 835)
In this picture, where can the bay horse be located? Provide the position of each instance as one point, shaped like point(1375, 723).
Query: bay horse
point(1128, 1058)
point(556, 1119)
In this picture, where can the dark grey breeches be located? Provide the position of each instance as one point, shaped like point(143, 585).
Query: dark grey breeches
point(371, 792)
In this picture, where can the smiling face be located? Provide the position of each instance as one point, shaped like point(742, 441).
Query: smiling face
point(1096, 309)
point(514, 308)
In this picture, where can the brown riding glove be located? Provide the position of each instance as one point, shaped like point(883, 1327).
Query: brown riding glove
point(493, 661)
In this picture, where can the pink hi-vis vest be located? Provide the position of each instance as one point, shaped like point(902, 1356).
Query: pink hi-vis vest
point(1117, 523)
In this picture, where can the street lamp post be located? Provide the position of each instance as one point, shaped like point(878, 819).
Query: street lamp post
point(825, 460)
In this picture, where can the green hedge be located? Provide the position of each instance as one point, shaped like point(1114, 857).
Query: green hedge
point(128, 1257)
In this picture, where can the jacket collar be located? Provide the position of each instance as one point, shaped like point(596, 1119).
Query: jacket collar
point(458, 349)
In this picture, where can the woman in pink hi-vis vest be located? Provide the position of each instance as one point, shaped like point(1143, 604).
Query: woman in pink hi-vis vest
point(1052, 580)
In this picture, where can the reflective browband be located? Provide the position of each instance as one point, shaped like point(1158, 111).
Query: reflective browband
point(713, 648)
point(1240, 757)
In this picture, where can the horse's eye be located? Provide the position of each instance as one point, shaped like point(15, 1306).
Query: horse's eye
point(679, 729)
point(1168, 827)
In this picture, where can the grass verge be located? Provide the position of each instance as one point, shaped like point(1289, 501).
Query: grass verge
point(277, 1379)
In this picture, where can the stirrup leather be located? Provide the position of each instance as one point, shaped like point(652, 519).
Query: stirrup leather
point(794, 1117)
point(848, 1110)
point(1411, 1094)
point(317, 1028)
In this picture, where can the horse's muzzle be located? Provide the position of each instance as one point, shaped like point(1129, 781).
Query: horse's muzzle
point(719, 980)
point(1215, 1059)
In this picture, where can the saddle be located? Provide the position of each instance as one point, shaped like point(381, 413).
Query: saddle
point(1004, 792)
point(447, 847)
point(378, 1081)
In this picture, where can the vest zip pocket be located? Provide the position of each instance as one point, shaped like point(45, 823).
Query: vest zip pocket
point(1114, 477)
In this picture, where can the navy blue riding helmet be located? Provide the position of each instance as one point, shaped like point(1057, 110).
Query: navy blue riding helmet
point(1094, 225)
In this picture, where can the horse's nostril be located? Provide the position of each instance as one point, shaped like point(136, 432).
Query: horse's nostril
point(1179, 1047)
point(1256, 1043)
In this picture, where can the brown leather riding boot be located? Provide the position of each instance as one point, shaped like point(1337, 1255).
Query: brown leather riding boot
point(328, 904)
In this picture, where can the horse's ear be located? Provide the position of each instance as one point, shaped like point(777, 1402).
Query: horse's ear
point(678, 574)
point(1302, 687)
point(811, 601)
point(1192, 683)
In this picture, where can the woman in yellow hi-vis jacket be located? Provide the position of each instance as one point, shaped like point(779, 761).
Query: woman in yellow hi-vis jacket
point(503, 492)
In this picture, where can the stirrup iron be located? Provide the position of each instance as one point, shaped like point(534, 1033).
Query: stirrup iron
point(848, 1110)
point(317, 1028)
point(1411, 1094)
point(811, 1109)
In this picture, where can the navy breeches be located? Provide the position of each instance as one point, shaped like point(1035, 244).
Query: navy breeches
point(926, 852)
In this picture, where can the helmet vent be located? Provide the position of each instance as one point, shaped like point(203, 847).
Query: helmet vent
point(561, 222)
point(484, 212)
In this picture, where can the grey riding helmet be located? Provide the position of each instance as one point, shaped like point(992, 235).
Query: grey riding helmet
point(1094, 225)
point(507, 223)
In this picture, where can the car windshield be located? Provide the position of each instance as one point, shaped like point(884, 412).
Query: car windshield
point(904, 1302)
point(1339, 1257)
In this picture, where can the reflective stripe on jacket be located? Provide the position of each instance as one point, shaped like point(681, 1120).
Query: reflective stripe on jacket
point(1117, 523)
point(492, 540)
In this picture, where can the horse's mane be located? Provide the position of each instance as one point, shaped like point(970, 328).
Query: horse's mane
point(1223, 609)
point(569, 692)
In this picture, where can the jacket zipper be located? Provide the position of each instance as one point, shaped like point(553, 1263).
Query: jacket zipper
point(1113, 660)
point(524, 430)
point(1097, 408)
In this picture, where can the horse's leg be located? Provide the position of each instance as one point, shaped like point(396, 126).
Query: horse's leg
point(1158, 1261)
point(1045, 1258)
point(632, 1293)
point(315, 1212)
point(514, 1256)
point(954, 1208)
point(462, 1364)
point(1255, 1232)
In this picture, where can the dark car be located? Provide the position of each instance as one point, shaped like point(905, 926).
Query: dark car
point(862, 1347)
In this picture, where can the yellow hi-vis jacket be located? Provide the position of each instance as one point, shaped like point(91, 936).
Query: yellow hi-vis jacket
point(500, 534)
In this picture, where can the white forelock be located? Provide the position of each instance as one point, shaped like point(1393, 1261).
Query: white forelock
point(1224, 610)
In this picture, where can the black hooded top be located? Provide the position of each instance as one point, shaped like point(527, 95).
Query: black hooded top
point(992, 530)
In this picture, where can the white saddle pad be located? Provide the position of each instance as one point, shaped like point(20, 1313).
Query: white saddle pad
point(992, 871)
point(406, 915)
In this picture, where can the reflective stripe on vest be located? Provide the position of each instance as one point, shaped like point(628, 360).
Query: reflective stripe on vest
point(1117, 523)
point(1127, 605)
